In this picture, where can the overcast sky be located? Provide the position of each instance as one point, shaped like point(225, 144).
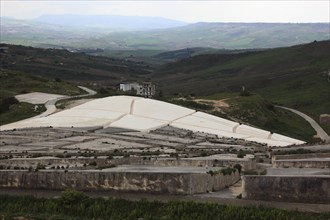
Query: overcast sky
point(189, 11)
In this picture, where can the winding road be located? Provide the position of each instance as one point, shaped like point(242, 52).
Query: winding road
point(50, 104)
point(319, 130)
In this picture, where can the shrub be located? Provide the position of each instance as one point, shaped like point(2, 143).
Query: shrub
point(238, 167)
point(72, 196)
point(93, 163)
point(241, 154)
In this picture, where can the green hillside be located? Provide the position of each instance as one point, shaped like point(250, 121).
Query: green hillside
point(221, 35)
point(294, 76)
point(75, 67)
point(14, 83)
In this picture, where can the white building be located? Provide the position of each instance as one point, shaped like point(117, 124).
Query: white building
point(145, 89)
point(126, 87)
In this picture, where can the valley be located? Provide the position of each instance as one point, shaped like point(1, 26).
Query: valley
point(132, 117)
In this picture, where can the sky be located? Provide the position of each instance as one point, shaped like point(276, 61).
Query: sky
point(188, 11)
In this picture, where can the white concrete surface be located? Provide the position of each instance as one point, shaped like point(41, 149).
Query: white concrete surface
point(253, 132)
point(279, 137)
point(138, 123)
point(145, 114)
point(203, 123)
point(216, 119)
point(220, 133)
point(114, 104)
point(159, 110)
point(37, 97)
point(91, 113)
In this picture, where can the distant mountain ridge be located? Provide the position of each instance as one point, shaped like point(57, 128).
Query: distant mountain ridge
point(231, 36)
point(110, 21)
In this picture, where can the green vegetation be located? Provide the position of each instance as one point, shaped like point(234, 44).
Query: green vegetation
point(191, 104)
point(14, 83)
point(76, 205)
point(298, 151)
point(223, 171)
point(20, 111)
point(258, 112)
point(295, 76)
point(255, 172)
point(74, 67)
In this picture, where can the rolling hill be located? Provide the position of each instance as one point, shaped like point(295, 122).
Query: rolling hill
point(222, 35)
point(294, 76)
point(111, 22)
point(58, 33)
point(74, 67)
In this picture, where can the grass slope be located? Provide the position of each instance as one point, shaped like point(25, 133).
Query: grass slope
point(14, 83)
point(255, 111)
point(294, 76)
point(76, 67)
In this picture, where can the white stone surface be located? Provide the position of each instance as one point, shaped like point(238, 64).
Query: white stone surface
point(209, 130)
point(203, 123)
point(114, 104)
point(90, 113)
point(37, 97)
point(253, 132)
point(138, 123)
point(216, 119)
point(145, 114)
point(159, 110)
point(279, 137)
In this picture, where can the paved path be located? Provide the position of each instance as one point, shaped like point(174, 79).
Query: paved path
point(319, 130)
point(50, 104)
